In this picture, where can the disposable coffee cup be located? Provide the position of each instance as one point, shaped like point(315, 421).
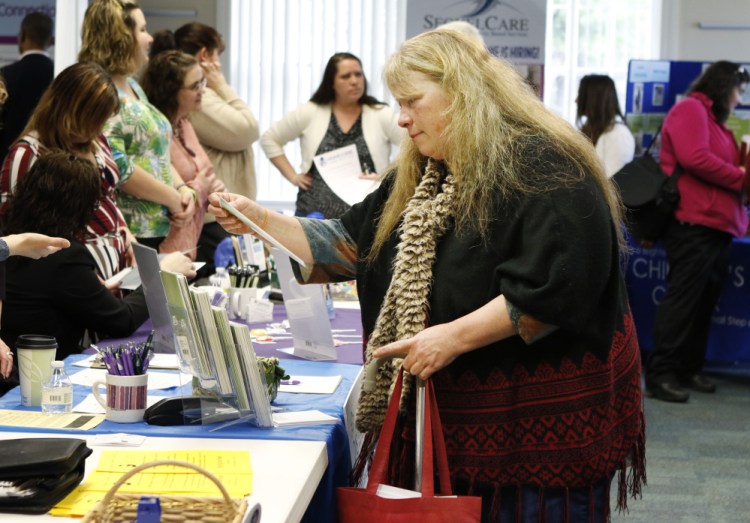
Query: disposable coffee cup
point(36, 353)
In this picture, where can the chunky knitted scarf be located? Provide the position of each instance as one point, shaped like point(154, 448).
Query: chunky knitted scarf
point(405, 308)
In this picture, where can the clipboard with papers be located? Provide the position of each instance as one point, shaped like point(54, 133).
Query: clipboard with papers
point(260, 232)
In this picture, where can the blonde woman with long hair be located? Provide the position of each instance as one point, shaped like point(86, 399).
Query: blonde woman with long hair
point(489, 260)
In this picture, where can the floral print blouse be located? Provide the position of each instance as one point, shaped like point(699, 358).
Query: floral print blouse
point(139, 136)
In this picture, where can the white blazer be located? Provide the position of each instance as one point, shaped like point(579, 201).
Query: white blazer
point(309, 122)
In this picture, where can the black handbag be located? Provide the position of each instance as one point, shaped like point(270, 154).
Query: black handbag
point(37, 473)
point(650, 196)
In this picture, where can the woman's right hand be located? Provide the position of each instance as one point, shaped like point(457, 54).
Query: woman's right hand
point(6, 360)
point(206, 177)
point(243, 204)
point(178, 262)
point(214, 75)
point(34, 245)
point(302, 180)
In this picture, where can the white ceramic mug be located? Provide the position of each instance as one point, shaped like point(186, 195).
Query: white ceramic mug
point(239, 299)
point(35, 356)
point(126, 397)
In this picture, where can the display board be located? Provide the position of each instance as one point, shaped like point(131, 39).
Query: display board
point(654, 86)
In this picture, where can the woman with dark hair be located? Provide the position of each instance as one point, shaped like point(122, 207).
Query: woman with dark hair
point(711, 211)
point(340, 113)
point(600, 119)
point(70, 117)
point(174, 83)
point(61, 295)
point(114, 35)
point(224, 125)
point(29, 244)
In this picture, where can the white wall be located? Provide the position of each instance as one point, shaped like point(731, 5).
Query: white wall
point(683, 39)
point(171, 14)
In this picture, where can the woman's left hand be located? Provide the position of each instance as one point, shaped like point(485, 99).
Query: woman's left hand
point(182, 218)
point(424, 354)
point(215, 185)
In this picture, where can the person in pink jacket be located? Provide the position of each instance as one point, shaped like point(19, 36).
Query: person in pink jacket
point(711, 211)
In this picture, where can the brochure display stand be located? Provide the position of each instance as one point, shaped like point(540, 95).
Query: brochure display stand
point(307, 312)
point(219, 355)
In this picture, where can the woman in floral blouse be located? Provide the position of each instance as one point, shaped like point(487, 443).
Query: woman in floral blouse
point(174, 82)
point(155, 199)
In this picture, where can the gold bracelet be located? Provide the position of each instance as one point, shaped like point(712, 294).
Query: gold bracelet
point(265, 218)
point(190, 190)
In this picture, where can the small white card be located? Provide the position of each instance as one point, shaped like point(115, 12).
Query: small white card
point(164, 361)
point(156, 380)
point(310, 384)
point(89, 405)
point(259, 311)
point(117, 278)
point(119, 439)
point(303, 417)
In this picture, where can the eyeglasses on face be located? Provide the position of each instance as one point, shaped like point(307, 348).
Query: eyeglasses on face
point(197, 86)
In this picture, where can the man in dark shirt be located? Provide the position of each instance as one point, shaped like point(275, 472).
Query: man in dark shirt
point(27, 78)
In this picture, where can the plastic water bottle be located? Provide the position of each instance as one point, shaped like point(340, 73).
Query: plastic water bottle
point(57, 393)
point(329, 301)
point(220, 279)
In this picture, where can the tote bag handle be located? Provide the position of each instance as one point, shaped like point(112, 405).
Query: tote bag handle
point(434, 444)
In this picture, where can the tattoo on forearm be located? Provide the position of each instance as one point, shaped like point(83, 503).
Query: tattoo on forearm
point(529, 328)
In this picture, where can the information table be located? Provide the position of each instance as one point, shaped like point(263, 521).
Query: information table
point(283, 496)
point(323, 505)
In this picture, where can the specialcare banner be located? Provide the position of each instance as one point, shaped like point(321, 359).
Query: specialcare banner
point(514, 29)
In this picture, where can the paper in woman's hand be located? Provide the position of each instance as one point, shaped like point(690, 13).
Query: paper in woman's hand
point(342, 172)
point(260, 232)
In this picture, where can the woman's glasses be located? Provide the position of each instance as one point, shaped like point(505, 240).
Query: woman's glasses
point(197, 86)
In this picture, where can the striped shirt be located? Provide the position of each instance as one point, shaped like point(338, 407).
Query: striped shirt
point(103, 235)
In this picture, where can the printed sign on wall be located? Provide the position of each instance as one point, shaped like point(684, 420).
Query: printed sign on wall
point(513, 29)
point(11, 15)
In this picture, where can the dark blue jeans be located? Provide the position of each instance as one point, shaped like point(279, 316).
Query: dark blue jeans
point(581, 507)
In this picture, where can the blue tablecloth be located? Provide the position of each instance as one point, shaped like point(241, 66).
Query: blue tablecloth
point(323, 505)
point(729, 339)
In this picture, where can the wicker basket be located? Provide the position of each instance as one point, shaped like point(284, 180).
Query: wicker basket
point(124, 507)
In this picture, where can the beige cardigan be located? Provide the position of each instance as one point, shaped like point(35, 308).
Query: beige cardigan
point(227, 129)
point(309, 123)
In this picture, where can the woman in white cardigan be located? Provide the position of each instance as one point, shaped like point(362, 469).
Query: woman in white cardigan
point(340, 113)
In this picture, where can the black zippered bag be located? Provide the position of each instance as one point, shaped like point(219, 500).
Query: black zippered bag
point(40, 472)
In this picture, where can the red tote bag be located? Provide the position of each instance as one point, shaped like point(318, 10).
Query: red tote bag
point(363, 505)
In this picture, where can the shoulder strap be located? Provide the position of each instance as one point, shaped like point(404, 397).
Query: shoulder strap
point(653, 140)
